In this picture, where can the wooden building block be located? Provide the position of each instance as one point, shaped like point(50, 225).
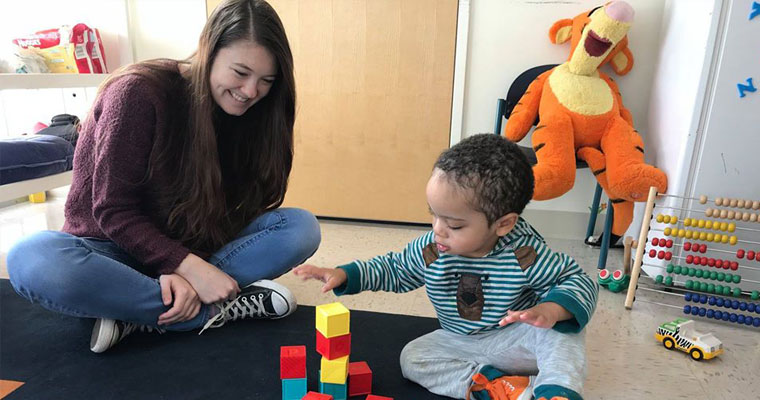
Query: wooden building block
point(292, 362)
point(334, 347)
point(333, 320)
point(317, 396)
point(334, 371)
point(359, 378)
point(338, 392)
point(293, 389)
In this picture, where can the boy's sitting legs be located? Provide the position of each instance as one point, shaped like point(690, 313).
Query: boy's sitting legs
point(445, 363)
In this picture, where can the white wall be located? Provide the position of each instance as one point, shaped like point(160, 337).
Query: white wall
point(508, 37)
point(166, 28)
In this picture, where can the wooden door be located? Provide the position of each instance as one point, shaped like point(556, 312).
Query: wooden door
point(374, 83)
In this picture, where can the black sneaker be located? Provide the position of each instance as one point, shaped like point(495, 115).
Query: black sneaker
point(615, 242)
point(262, 299)
point(107, 332)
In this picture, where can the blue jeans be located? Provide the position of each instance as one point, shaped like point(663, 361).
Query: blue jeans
point(94, 278)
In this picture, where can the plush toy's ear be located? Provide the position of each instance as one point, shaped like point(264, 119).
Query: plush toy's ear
point(561, 31)
point(622, 62)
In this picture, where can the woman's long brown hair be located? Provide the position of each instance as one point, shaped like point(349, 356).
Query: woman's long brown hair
point(224, 170)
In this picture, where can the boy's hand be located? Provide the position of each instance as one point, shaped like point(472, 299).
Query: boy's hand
point(543, 315)
point(332, 277)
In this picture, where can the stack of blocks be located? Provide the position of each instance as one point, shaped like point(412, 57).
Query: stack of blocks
point(338, 379)
point(334, 344)
point(293, 372)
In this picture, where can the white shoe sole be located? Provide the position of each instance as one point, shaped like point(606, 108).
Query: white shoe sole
point(281, 290)
point(102, 335)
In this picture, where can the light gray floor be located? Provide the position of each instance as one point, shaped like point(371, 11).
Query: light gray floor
point(625, 361)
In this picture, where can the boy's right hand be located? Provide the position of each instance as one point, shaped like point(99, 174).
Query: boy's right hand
point(332, 277)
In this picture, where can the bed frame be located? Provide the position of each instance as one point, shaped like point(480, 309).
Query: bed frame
point(15, 190)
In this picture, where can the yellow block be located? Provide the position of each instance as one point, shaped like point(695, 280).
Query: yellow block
point(37, 197)
point(333, 320)
point(334, 371)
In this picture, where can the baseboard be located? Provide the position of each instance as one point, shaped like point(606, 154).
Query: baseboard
point(562, 224)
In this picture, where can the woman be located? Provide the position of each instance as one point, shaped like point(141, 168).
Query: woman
point(178, 176)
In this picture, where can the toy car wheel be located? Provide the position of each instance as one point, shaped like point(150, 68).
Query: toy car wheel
point(668, 343)
point(696, 354)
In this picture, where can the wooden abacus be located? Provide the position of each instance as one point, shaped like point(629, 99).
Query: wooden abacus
point(724, 271)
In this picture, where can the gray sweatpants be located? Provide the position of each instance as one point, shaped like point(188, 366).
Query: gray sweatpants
point(444, 362)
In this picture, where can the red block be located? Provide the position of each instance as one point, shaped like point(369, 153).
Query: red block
point(292, 362)
point(317, 396)
point(359, 378)
point(334, 347)
point(373, 397)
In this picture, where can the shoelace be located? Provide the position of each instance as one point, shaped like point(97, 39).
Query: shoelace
point(239, 308)
point(496, 389)
point(130, 327)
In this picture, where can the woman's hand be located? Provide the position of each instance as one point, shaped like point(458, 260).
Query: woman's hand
point(332, 277)
point(211, 283)
point(178, 293)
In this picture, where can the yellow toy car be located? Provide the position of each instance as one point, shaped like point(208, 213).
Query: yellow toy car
point(680, 334)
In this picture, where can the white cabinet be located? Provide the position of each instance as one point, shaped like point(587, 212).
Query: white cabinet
point(131, 30)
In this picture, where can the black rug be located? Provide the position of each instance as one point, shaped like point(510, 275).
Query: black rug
point(50, 354)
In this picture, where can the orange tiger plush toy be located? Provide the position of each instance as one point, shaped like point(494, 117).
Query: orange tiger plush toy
point(581, 114)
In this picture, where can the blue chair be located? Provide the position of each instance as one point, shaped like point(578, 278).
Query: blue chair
point(504, 109)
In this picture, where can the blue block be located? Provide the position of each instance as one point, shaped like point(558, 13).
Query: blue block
point(293, 389)
point(338, 391)
point(755, 10)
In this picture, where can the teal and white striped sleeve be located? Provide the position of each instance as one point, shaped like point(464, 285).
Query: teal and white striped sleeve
point(557, 278)
point(392, 272)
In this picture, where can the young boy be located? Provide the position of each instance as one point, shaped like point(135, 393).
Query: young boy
point(508, 304)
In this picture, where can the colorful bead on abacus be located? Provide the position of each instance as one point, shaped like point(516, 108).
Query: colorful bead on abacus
point(750, 255)
point(718, 201)
point(733, 203)
point(702, 199)
point(708, 212)
point(652, 253)
point(740, 253)
point(703, 248)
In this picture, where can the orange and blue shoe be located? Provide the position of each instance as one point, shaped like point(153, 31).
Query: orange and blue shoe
point(492, 384)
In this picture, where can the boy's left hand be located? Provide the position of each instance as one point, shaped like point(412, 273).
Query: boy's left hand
point(543, 315)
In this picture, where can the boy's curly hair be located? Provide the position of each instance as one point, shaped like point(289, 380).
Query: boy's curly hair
point(497, 172)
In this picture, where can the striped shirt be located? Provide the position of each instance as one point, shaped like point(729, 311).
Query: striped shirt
point(553, 277)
